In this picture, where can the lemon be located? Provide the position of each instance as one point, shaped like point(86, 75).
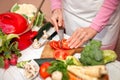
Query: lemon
point(14, 8)
point(11, 36)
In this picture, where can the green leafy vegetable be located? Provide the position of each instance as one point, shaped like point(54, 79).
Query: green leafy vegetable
point(92, 54)
point(109, 55)
point(58, 65)
point(1, 62)
point(15, 7)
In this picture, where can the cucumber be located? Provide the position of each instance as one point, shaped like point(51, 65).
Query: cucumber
point(42, 60)
point(46, 27)
point(22, 64)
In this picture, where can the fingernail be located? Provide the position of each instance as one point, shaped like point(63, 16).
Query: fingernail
point(71, 47)
point(59, 24)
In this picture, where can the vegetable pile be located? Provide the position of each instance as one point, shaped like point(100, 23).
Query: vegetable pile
point(90, 66)
point(9, 51)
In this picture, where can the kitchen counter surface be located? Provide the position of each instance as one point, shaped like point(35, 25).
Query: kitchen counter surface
point(13, 73)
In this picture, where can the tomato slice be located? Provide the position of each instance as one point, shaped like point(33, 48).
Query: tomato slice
point(43, 70)
point(65, 44)
point(60, 54)
point(54, 44)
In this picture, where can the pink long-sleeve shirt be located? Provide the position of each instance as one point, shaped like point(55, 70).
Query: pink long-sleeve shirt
point(102, 17)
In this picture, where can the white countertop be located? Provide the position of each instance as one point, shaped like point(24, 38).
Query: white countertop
point(14, 73)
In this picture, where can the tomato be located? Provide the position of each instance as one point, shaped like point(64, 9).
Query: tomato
point(55, 45)
point(43, 70)
point(60, 54)
point(65, 44)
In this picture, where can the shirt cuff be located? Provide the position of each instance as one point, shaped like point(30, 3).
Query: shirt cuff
point(96, 27)
point(56, 6)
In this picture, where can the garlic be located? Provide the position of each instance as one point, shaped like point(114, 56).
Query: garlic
point(45, 35)
point(36, 44)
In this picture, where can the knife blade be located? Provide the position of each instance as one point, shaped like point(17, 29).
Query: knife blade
point(61, 34)
point(42, 60)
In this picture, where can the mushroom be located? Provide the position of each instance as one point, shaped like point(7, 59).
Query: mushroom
point(45, 35)
point(57, 75)
point(36, 44)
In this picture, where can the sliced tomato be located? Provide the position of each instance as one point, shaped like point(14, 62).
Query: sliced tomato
point(65, 44)
point(54, 44)
point(60, 54)
point(43, 70)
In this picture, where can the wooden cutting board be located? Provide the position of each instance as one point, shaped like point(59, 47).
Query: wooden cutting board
point(48, 51)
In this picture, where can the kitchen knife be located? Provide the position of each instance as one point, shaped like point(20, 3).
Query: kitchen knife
point(46, 27)
point(42, 60)
point(61, 34)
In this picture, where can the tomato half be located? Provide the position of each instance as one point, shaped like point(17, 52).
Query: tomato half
point(65, 44)
point(55, 45)
point(43, 70)
point(60, 54)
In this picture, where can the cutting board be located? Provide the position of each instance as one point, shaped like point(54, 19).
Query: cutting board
point(48, 51)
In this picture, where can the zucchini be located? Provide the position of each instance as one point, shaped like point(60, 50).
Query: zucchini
point(46, 27)
point(42, 60)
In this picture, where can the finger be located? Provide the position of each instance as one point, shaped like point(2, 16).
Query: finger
point(73, 36)
point(85, 39)
point(74, 41)
point(78, 40)
point(60, 21)
point(54, 20)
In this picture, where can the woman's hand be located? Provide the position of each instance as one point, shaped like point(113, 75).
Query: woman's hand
point(80, 36)
point(57, 18)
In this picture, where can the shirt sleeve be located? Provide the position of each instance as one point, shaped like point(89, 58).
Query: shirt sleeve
point(55, 4)
point(104, 14)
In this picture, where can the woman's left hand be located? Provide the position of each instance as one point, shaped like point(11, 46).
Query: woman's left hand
point(80, 36)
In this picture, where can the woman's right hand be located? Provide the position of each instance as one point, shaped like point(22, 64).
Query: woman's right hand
point(57, 18)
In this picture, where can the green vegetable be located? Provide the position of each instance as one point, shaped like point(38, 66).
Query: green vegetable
point(14, 8)
point(92, 54)
point(39, 19)
point(71, 60)
point(109, 56)
point(22, 64)
point(1, 62)
point(58, 65)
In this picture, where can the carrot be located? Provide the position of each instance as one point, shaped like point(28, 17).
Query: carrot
point(73, 77)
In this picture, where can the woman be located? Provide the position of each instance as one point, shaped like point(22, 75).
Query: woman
point(88, 19)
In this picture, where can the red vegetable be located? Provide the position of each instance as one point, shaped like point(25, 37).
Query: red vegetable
point(43, 70)
point(13, 60)
point(65, 44)
point(56, 45)
point(60, 54)
point(6, 64)
point(13, 23)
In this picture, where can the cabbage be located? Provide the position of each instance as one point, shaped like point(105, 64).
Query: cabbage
point(109, 56)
